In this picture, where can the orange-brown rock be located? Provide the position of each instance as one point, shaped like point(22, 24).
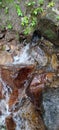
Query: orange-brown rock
point(39, 82)
point(13, 97)
point(16, 75)
point(5, 58)
point(1, 89)
point(31, 116)
point(34, 91)
point(54, 62)
point(10, 124)
point(50, 76)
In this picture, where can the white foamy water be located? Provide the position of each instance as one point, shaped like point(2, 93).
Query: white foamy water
point(4, 108)
point(24, 57)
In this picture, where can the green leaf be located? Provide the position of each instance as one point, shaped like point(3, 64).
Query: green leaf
point(41, 2)
point(19, 12)
point(31, 3)
point(6, 10)
point(38, 10)
point(34, 21)
point(9, 26)
point(27, 30)
point(57, 17)
point(51, 4)
point(25, 21)
point(35, 12)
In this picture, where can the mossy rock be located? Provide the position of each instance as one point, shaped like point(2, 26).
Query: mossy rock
point(49, 26)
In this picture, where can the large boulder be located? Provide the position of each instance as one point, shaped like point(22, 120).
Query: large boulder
point(49, 25)
point(51, 108)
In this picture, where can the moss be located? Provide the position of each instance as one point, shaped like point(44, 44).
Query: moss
point(50, 34)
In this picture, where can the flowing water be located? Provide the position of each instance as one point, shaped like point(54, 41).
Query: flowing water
point(27, 56)
point(4, 108)
point(24, 57)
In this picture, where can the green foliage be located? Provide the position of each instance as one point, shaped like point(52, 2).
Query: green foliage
point(0, 3)
point(25, 21)
point(38, 10)
point(57, 17)
point(6, 10)
point(27, 30)
point(28, 23)
point(51, 4)
point(34, 21)
point(9, 1)
point(9, 26)
point(35, 12)
point(19, 12)
point(41, 2)
point(31, 3)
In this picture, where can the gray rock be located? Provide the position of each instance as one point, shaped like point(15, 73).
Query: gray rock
point(51, 108)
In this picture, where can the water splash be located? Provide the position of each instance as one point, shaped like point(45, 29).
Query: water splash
point(24, 57)
point(4, 108)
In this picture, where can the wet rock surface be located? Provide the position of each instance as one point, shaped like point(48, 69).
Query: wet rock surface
point(29, 84)
point(49, 24)
point(51, 108)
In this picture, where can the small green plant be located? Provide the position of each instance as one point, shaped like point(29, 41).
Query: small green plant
point(38, 10)
point(41, 2)
point(0, 3)
point(31, 3)
point(34, 21)
point(51, 4)
point(6, 10)
point(9, 26)
point(27, 30)
point(25, 21)
point(19, 12)
point(35, 11)
point(57, 17)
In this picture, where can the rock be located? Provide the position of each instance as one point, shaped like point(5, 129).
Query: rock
point(17, 110)
point(50, 76)
point(34, 91)
point(55, 83)
point(49, 26)
point(16, 75)
point(1, 91)
point(54, 62)
point(5, 58)
point(50, 104)
point(10, 124)
point(2, 43)
point(39, 82)
point(29, 118)
point(1, 35)
point(7, 48)
point(10, 35)
point(35, 37)
point(4, 47)
point(39, 56)
point(13, 97)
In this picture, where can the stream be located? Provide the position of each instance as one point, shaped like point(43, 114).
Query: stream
point(29, 85)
